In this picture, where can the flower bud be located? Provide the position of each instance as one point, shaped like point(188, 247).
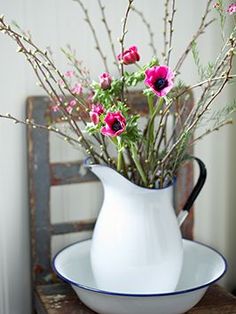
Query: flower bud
point(105, 80)
point(129, 56)
point(95, 113)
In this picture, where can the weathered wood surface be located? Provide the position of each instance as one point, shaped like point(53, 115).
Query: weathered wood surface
point(58, 299)
point(39, 193)
point(69, 227)
point(216, 301)
point(61, 299)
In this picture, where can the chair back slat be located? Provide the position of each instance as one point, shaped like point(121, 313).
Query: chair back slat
point(39, 189)
point(70, 173)
point(70, 227)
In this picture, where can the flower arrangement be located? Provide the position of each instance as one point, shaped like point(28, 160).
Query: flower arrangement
point(148, 156)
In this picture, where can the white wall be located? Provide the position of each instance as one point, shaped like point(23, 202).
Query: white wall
point(56, 23)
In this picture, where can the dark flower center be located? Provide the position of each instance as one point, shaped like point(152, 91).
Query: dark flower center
point(160, 84)
point(116, 126)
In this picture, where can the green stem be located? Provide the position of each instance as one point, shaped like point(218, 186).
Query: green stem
point(119, 160)
point(138, 164)
point(150, 132)
point(120, 156)
point(150, 99)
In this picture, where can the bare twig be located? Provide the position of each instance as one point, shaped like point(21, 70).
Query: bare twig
point(122, 40)
point(44, 78)
point(208, 131)
point(171, 30)
point(67, 138)
point(98, 47)
point(104, 20)
point(200, 31)
point(149, 29)
point(34, 125)
point(187, 89)
point(165, 19)
point(188, 128)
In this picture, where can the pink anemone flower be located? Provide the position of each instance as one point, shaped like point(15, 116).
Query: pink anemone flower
point(129, 56)
point(159, 79)
point(115, 124)
point(95, 113)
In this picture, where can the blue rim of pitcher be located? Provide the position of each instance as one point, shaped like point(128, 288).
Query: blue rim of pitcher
point(74, 283)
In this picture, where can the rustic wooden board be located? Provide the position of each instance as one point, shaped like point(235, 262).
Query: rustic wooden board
point(61, 299)
point(216, 301)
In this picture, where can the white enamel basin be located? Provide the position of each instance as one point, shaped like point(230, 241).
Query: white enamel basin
point(202, 267)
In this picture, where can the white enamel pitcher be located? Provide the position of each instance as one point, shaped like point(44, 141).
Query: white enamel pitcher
point(137, 244)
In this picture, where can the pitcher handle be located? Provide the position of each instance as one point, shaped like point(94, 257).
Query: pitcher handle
point(196, 190)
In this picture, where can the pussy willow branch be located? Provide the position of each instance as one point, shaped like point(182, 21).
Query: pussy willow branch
point(122, 40)
point(66, 137)
point(162, 137)
point(171, 30)
point(32, 57)
point(208, 131)
point(162, 126)
point(50, 128)
point(165, 19)
point(191, 126)
point(232, 76)
point(48, 65)
point(210, 82)
point(37, 64)
point(98, 47)
point(200, 31)
point(227, 59)
point(104, 20)
point(104, 149)
point(149, 29)
point(219, 65)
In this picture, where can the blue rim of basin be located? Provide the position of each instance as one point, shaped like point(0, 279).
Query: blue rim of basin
point(74, 283)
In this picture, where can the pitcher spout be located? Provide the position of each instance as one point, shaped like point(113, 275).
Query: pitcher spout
point(109, 176)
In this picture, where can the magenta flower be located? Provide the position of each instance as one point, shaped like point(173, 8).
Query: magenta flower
point(70, 106)
point(160, 79)
point(129, 56)
point(77, 89)
point(69, 73)
point(95, 113)
point(115, 124)
point(232, 8)
point(55, 108)
point(105, 80)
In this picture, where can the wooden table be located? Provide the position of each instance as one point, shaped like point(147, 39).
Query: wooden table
point(61, 299)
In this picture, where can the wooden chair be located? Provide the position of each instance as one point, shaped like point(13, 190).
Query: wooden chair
point(49, 294)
